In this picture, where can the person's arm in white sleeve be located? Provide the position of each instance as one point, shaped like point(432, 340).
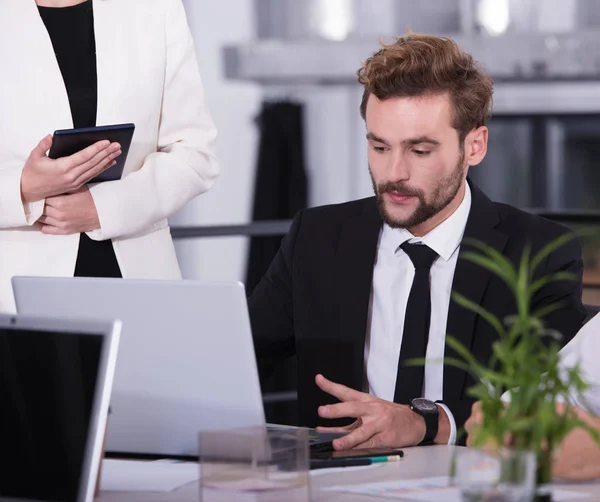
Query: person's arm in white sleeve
point(452, 437)
point(583, 350)
point(185, 164)
point(13, 211)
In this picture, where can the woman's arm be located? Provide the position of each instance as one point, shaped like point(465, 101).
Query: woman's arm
point(185, 164)
point(23, 190)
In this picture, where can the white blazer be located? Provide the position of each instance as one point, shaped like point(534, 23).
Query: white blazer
point(148, 75)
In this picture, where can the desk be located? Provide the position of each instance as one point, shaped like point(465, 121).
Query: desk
point(418, 462)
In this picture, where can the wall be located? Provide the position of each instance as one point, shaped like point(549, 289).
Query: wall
point(336, 148)
point(233, 106)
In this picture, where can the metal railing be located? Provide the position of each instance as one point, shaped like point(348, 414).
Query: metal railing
point(256, 229)
point(270, 228)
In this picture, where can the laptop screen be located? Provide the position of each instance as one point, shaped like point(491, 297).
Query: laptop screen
point(47, 389)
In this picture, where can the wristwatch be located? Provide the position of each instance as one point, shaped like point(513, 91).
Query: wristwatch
point(429, 411)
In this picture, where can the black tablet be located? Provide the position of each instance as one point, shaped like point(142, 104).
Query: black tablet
point(69, 141)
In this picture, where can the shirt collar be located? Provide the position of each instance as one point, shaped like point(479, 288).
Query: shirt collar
point(443, 239)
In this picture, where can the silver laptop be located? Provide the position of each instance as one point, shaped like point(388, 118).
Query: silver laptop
point(186, 357)
point(55, 381)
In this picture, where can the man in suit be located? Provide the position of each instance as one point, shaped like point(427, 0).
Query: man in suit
point(358, 289)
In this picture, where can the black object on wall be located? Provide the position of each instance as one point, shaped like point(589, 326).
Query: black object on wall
point(281, 187)
point(281, 190)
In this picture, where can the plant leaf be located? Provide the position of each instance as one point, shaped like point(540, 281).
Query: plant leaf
point(523, 299)
point(463, 352)
point(452, 361)
point(422, 361)
point(544, 311)
point(502, 261)
point(478, 309)
point(558, 276)
point(525, 358)
point(508, 276)
point(550, 248)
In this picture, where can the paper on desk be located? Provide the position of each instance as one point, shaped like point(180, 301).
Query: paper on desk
point(143, 476)
point(436, 489)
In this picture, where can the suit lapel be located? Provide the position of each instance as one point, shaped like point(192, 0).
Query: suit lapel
point(471, 281)
point(36, 88)
point(356, 253)
point(110, 58)
point(49, 98)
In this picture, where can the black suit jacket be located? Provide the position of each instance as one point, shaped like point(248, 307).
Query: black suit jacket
point(314, 300)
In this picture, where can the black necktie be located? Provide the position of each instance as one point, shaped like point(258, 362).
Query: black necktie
point(409, 381)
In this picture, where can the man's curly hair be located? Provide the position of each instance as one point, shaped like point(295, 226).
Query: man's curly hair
point(421, 65)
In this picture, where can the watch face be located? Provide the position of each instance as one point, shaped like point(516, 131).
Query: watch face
point(423, 404)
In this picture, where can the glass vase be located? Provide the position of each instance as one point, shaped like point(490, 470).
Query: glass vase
point(543, 492)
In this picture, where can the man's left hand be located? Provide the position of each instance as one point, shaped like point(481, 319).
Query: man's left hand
point(71, 213)
point(379, 423)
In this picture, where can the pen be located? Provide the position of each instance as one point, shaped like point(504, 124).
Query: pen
point(339, 462)
point(353, 462)
point(388, 458)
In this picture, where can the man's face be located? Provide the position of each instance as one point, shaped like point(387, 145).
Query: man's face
point(416, 162)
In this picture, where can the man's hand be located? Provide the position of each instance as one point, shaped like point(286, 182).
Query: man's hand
point(43, 177)
point(70, 214)
point(378, 423)
point(473, 423)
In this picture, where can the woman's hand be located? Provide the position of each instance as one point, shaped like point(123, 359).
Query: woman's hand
point(71, 213)
point(44, 177)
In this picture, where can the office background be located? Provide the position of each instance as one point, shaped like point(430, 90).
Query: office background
point(543, 154)
point(280, 78)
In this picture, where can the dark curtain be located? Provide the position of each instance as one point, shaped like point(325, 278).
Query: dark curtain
point(280, 191)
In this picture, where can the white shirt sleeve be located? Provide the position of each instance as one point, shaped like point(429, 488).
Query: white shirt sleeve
point(34, 211)
point(583, 349)
point(452, 438)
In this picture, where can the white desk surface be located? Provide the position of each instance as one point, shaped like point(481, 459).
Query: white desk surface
point(418, 462)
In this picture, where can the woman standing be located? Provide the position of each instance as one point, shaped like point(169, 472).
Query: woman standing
point(81, 63)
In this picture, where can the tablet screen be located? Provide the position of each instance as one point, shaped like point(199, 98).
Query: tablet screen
point(66, 142)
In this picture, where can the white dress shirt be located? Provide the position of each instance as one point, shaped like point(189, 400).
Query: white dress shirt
point(392, 280)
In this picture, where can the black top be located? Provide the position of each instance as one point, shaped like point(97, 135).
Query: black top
point(71, 30)
point(314, 300)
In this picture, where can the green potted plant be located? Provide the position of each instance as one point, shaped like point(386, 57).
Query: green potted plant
point(525, 362)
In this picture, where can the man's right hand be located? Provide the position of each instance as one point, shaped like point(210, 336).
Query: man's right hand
point(44, 177)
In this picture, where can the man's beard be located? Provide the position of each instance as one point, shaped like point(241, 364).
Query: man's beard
point(445, 191)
